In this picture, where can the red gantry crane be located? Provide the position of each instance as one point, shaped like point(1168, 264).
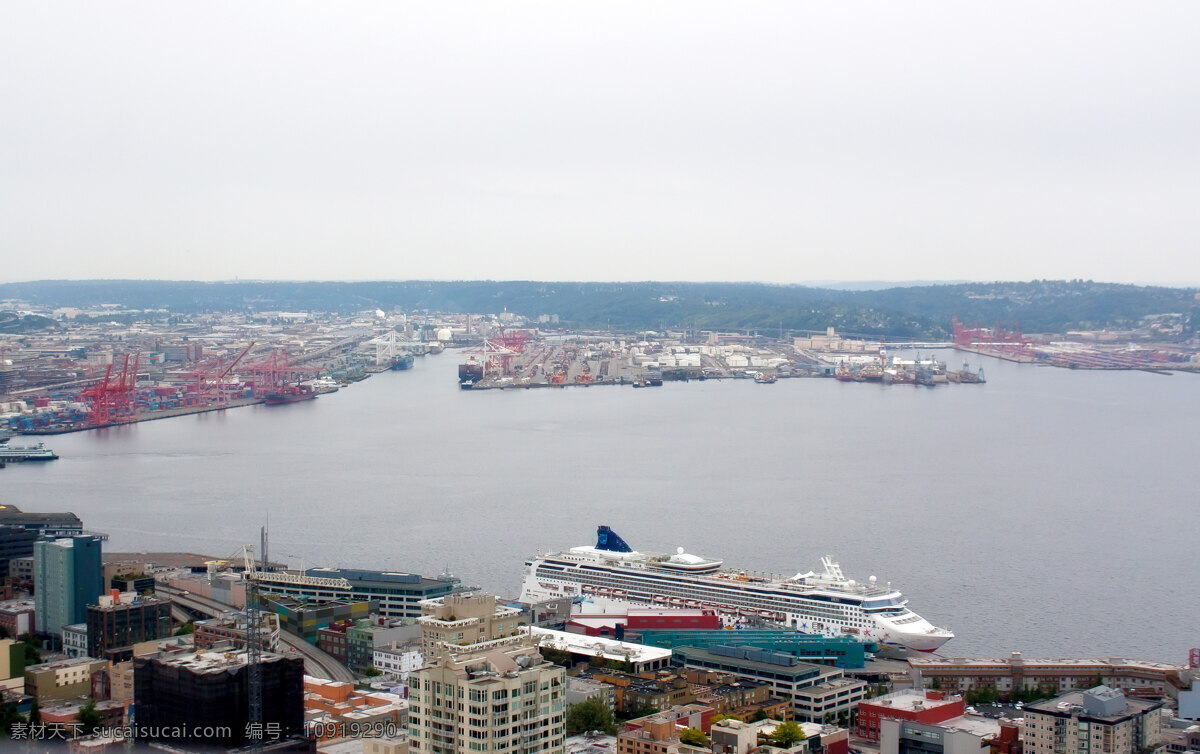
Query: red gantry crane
point(210, 381)
point(110, 401)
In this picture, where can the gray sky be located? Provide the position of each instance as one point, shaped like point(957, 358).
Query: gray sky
point(691, 140)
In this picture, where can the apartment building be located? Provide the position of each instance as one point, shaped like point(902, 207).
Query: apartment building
point(1097, 721)
point(486, 686)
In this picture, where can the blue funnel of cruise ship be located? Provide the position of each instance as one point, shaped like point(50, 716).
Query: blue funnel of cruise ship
point(607, 539)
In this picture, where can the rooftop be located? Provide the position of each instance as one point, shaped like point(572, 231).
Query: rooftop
point(12, 514)
point(608, 649)
point(209, 662)
point(1066, 662)
point(358, 576)
point(911, 700)
point(61, 664)
point(797, 669)
point(1101, 703)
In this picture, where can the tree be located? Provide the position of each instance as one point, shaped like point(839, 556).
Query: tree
point(8, 716)
point(693, 736)
point(935, 684)
point(759, 714)
point(89, 718)
point(787, 734)
point(35, 713)
point(185, 629)
point(32, 656)
point(372, 671)
point(590, 714)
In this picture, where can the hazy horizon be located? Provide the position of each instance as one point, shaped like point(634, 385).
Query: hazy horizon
point(848, 285)
point(700, 141)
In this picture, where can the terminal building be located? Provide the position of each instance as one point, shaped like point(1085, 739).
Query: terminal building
point(817, 693)
point(399, 595)
point(44, 524)
point(1014, 673)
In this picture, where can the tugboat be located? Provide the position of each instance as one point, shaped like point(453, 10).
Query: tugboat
point(765, 379)
point(21, 453)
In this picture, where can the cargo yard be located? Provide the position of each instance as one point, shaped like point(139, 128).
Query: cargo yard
point(93, 372)
point(91, 369)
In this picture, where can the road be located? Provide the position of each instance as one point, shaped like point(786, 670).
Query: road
point(317, 662)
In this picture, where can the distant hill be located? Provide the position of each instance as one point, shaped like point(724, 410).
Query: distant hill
point(12, 323)
point(912, 311)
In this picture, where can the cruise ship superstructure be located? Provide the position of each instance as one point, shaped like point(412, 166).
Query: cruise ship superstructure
point(612, 576)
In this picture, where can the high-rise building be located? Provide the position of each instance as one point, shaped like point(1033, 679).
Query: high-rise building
point(198, 691)
point(121, 620)
point(69, 576)
point(486, 685)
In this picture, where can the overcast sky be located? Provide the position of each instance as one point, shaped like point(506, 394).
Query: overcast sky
point(694, 140)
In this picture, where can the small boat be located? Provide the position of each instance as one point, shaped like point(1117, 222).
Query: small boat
point(765, 379)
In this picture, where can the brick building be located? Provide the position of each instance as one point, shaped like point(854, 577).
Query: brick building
point(929, 707)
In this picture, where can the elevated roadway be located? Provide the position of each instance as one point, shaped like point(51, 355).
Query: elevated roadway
point(317, 662)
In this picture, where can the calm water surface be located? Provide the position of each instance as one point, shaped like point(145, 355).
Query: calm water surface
point(1048, 511)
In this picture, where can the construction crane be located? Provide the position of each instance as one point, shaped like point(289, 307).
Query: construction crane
point(254, 684)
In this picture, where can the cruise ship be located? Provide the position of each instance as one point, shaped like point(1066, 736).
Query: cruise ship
point(612, 576)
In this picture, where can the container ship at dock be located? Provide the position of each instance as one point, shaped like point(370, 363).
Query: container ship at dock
point(289, 395)
point(611, 575)
point(470, 372)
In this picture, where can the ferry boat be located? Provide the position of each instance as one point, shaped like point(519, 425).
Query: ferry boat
point(19, 453)
point(612, 576)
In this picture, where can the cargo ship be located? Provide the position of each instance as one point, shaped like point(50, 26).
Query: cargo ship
point(612, 576)
point(470, 371)
point(21, 453)
point(292, 394)
point(404, 360)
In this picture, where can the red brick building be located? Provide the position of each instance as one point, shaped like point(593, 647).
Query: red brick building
point(928, 707)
